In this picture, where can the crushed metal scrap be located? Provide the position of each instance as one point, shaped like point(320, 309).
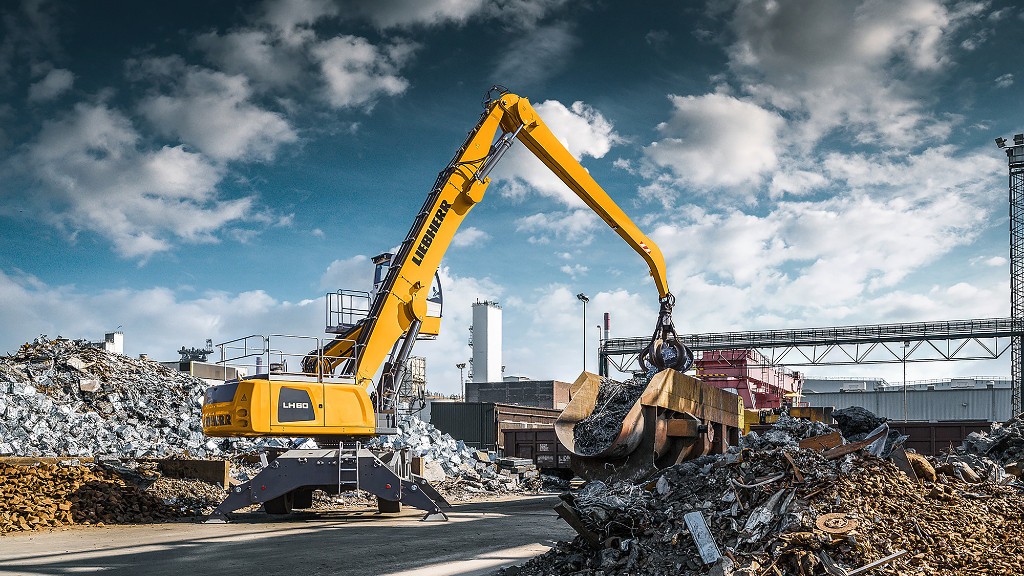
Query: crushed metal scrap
point(774, 508)
point(64, 397)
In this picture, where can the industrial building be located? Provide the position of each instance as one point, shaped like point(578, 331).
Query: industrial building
point(485, 340)
point(978, 398)
point(521, 391)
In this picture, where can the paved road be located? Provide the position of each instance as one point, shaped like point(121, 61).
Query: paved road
point(478, 539)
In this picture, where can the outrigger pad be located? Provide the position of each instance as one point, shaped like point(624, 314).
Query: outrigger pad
point(340, 469)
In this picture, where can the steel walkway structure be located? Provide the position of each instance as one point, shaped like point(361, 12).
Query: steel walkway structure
point(980, 339)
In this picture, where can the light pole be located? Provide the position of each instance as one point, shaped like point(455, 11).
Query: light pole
point(906, 411)
point(462, 382)
point(583, 298)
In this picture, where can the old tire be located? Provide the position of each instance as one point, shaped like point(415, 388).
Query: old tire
point(302, 498)
point(283, 504)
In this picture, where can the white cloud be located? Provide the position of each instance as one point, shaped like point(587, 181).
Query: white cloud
point(574, 271)
point(405, 13)
point(357, 73)
point(795, 182)
point(715, 141)
point(292, 19)
point(213, 112)
point(997, 261)
point(156, 320)
point(573, 227)
point(88, 171)
point(551, 44)
point(355, 273)
point(1004, 81)
point(470, 236)
point(859, 66)
point(255, 54)
point(816, 262)
point(580, 128)
point(548, 340)
point(55, 83)
point(514, 14)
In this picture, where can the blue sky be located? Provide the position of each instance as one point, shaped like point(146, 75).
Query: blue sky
point(201, 170)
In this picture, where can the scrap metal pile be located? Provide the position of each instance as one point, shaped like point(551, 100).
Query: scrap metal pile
point(455, 469)
point(598, 430)
point(992, 454)
point(793, 501)
point(67, 398)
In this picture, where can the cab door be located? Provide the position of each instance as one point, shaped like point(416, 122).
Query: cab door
point(296, 407)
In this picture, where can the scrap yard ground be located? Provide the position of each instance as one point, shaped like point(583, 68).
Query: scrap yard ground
point(479, 538)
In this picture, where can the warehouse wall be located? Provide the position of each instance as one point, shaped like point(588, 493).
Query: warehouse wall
point(992, 404)
point(538, 393)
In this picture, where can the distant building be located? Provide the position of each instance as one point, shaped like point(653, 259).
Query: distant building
point(486, 342)
point(112, 342)
point(852, 384)
point(207, 371)
point(535, 393)
point(975, 398)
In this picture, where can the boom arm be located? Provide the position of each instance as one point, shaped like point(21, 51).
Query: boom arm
point(400, 307)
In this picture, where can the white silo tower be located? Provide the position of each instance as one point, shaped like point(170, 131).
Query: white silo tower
point(486, 342)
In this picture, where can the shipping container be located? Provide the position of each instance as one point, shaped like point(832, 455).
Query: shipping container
point(933, 438)
point(482, 424)
point(540, 445)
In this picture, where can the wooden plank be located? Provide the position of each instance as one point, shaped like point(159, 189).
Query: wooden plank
point(567, 513)
point(840, 451)
point(823, 442)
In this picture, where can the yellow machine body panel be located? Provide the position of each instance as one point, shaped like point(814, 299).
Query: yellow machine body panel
point(262, 407)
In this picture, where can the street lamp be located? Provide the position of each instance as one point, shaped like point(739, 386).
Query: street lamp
point(583, 298)
point(906, 411)
point(462, 382)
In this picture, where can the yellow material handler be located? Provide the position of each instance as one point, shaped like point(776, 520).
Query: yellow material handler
point(344, 391)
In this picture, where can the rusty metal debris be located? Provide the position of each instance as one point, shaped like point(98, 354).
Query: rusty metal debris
point(836, 523)
point(775, 509)
point(702, 537)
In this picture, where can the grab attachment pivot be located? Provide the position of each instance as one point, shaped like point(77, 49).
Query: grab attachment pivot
point(665, 349)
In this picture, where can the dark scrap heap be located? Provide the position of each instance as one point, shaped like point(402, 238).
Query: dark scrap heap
point(782, 507)
point(596, 432)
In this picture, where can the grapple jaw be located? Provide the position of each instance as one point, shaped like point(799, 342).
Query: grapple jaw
point(666, 350)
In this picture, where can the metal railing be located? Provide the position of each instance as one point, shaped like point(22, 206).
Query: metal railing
point(345, 309)
point(281, 356)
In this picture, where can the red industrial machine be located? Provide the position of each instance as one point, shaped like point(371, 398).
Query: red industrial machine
point(747, 373)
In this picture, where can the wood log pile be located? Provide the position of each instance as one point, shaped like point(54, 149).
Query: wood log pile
point(51, 495)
